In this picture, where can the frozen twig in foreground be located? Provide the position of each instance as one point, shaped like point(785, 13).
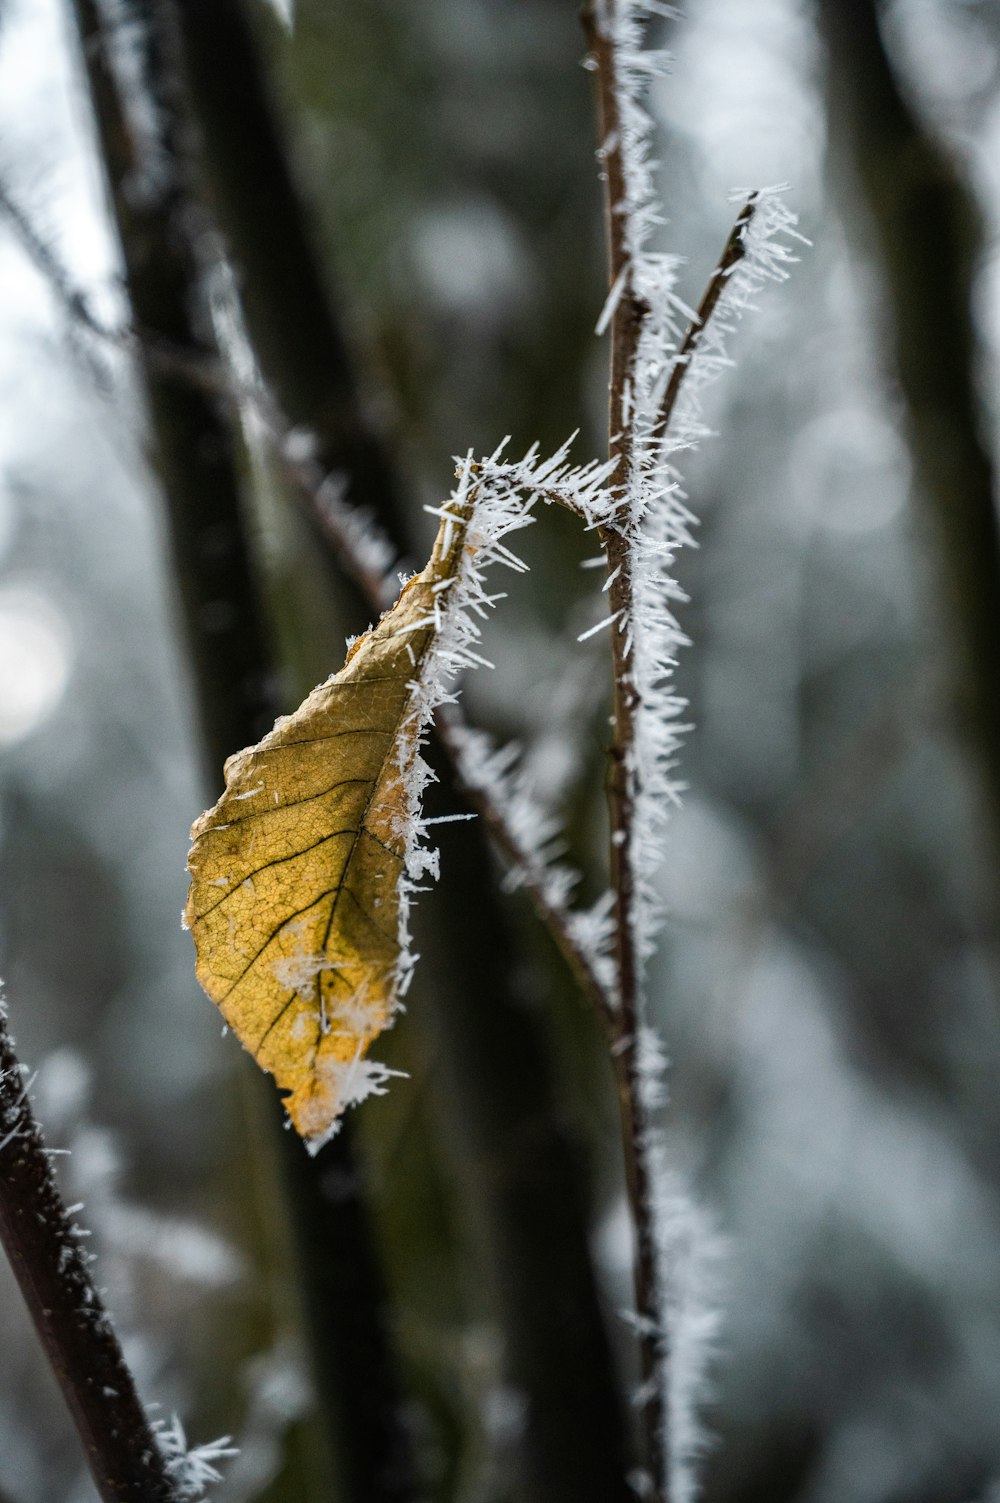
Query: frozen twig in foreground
point(623, 126)
point(47, 1253)
point(656, 380)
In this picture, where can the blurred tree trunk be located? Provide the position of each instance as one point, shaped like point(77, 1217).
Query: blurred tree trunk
point(927, 228)
point(236, 682)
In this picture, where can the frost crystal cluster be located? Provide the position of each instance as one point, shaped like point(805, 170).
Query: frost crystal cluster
point(663, 357)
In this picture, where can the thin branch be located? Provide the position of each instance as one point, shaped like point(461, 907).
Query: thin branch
point(733, 253)
point(626, 327)
point(554, 916)
point(46, 1251)
point(74, 304)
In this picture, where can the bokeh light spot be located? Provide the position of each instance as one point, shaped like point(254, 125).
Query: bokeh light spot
point(35, 661)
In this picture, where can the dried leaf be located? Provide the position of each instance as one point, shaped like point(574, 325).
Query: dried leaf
point(295, 900)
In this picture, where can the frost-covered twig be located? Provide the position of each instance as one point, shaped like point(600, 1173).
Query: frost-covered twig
point(615, 36)
point(733, 253)
point(756, 252)
point(656, 380)
point(75, 305)
point(353, 533)
point(47, 1253)
point(523, 834)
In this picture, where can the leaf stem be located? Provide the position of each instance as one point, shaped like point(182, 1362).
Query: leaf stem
point(51, 1266)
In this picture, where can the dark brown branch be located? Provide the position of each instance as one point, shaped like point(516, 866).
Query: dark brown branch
point(626, 326)
point(50, 1263)
point(193, 446)
point(733, 253)
point(236, 682)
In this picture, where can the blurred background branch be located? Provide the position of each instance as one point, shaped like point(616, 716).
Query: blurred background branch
point(928, 229)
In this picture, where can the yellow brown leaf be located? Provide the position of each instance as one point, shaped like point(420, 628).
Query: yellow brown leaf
point(296, 872)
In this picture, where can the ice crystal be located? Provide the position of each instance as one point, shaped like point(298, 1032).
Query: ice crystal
point(192, 1469)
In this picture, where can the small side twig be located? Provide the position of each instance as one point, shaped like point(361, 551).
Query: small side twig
point(47, 1254)
point(734, 251)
